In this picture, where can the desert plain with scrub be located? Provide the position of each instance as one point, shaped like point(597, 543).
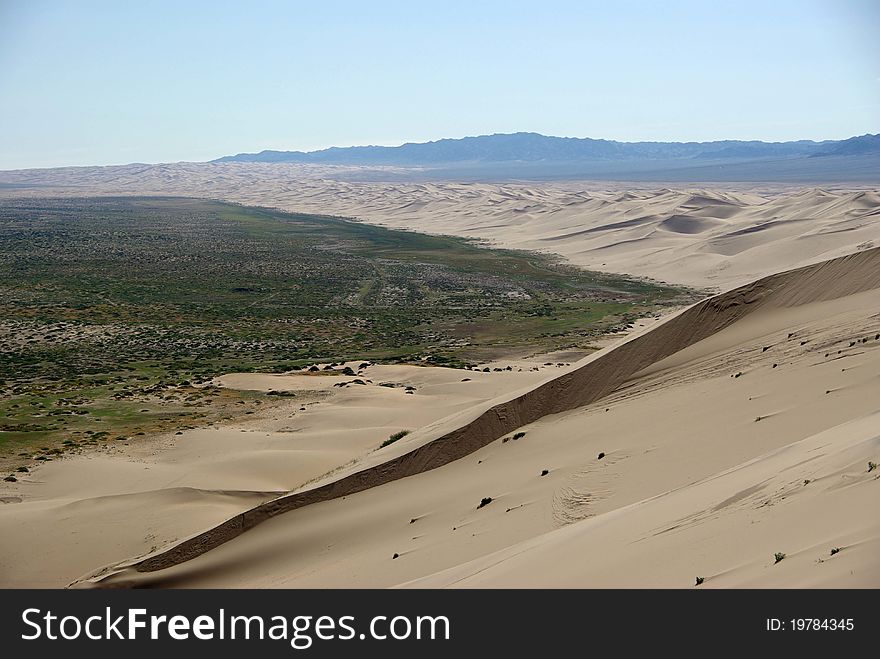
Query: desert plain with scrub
point(706, 413)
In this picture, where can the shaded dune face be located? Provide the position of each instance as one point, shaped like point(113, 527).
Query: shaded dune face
point(689, 225)
point(594, 379)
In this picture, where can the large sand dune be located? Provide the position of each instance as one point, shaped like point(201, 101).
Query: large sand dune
point(720, 237)
point(741, 427)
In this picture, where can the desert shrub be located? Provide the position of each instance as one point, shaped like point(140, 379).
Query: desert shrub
point(485, 501)
point(393, 438)
point(519, 435)
point(699, 581)
point(778, 556)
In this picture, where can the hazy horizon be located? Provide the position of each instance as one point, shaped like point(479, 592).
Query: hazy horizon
point(96, 82)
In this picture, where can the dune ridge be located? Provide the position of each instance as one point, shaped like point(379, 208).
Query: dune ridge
point(595, 378)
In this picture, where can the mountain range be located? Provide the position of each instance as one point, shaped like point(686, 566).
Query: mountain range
point(531, 156)
point(534, 147)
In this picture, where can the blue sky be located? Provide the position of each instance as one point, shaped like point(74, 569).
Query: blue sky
point(92, 82)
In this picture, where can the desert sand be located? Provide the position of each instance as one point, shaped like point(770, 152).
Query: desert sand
point(733, 430)
point(66, 517)
point(702, 444)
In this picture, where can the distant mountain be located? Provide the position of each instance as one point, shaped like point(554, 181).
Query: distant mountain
point(536, 148)
point(854, 146)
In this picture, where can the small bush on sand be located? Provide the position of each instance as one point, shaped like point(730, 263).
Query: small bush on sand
point(778, 556)
point(871, 466)
point(393, 438)
point(519, 435)
point(835, 550)
point(699, 581)
point(485, 501)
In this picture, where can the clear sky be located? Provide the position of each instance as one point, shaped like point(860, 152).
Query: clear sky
point(101, 82)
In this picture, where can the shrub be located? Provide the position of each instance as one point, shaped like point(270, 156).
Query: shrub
point(22, 470)
point(519, 435)
point(871, 466)
point(393, 438)
point(699, 581)
point(544, 472)
point(835, 550)
point(778, 556)
point(485, 501)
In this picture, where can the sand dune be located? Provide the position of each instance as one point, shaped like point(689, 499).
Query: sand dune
point(720, 237)
point(738, 428)
point(69, 516)
point(741, 427)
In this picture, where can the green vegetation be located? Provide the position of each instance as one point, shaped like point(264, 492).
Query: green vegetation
point(393, 438)
point(871, 466)
point(114, 312)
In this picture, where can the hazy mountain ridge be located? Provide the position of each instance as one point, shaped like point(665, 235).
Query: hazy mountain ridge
point(533, 147)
